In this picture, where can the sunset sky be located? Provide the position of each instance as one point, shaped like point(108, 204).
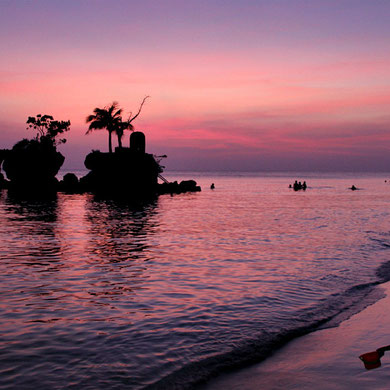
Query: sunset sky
point(234, 85)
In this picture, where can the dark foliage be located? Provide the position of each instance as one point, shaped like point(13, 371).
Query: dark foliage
point(110, 118)
point(48, 128)
point(31, 165)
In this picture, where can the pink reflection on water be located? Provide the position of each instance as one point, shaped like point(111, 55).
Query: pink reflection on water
point(172, 276)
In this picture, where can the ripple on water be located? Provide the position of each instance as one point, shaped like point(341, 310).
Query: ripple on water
point(98, 293)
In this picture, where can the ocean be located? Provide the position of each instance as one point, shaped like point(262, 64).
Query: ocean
point(169, 293)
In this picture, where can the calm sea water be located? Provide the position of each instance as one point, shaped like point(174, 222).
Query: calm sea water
point(101, 294)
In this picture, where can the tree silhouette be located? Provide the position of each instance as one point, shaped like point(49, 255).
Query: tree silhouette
point(127, 125)
point(120, 129)
point(108, 118)
point(48, 129)
point(32, 164)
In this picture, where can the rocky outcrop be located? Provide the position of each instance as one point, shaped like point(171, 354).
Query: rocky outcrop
point(31, 165)
point(178, 188)
point(121, 173)
point(3, 181)
point(70, 183)
point(128, 172)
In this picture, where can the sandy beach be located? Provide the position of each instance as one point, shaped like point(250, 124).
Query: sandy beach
point(325, 359)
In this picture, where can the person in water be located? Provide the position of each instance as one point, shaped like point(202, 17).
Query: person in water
point(298, 185)
point(212, 186)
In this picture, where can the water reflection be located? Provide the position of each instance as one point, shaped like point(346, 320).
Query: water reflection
point(31, 209)
point(28, 231)
point(77, 248)
point(71, 270)
point(140, 291)
point(120, 231)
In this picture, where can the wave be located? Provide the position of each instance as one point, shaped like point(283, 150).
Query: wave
point(329, 313)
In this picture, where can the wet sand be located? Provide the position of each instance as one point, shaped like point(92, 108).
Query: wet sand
point(325, 359)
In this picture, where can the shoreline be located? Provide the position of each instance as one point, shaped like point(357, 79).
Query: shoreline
point(324, 359)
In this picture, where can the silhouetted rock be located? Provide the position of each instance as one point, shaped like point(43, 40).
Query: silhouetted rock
point(31, 165)
point(125, 172)
point(169, 188)
point(70, 183)
point(175, 188)
point(188, 185)
point(3, 154)
point(71, 179)
point(129, 172)
point(3, 182)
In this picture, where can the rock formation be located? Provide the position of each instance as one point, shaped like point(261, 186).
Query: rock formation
point(31, 165)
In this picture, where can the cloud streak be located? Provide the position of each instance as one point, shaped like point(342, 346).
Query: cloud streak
point(259, 84)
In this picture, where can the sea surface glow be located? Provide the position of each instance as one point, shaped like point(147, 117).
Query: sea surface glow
point(104, 294)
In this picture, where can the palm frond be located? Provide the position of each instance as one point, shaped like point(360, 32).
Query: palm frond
point(90, 118)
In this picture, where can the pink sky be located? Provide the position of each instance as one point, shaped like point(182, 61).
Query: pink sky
point(233, 85)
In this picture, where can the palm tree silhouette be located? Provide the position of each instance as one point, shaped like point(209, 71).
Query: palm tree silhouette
point(120, 126)
point(108, 118)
